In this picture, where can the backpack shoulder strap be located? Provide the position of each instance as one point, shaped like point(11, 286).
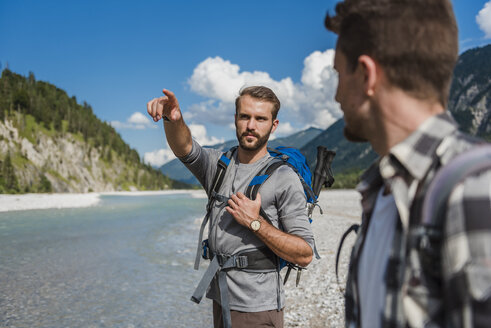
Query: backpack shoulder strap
point(470, 162)
point(261, 177)
point(222, 165)
point(428, 235)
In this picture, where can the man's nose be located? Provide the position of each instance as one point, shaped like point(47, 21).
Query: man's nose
point(251, 124)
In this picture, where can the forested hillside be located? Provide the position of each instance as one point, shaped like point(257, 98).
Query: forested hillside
point(51, 143)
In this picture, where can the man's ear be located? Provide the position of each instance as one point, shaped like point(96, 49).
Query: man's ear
point(370, 73)
point(275, 125)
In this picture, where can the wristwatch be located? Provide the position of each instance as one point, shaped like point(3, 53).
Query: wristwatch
point(255, 225)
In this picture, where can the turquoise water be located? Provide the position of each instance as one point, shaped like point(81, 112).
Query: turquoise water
point(126, 262)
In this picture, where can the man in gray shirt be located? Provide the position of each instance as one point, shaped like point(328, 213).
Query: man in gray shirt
point(255, 298)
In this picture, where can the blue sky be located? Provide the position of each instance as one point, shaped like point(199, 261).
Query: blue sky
point(117, 55)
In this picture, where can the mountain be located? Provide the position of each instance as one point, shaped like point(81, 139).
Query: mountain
point(470, 92)
point(469, 103)
point(296, 140)
point(50, 143)
point(178, 171)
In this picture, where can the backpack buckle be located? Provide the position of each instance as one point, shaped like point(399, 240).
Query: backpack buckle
point(205, 250)
point(241, 262)
point(232, 261)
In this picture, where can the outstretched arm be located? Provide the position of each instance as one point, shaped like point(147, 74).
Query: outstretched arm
point(176, 131)
point(287, 246)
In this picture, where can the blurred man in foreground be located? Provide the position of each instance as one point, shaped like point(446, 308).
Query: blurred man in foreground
point(395, 61)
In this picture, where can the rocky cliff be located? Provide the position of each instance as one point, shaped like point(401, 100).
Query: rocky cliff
point(470, 93)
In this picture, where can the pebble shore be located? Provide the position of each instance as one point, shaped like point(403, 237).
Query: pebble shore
point(318, 300)
point(23, 202)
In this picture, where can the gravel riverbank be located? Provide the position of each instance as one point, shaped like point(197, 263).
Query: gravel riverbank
point(22, 202)
point(318, 300)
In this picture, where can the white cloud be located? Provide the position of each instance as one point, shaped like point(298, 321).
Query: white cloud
point(216, 78)
point(199, 133)
point(159, 157)
point(316, 68)
point(137, 121)
point(483, 19)
point(310, 102)
point(219, 79)
point(138, 118)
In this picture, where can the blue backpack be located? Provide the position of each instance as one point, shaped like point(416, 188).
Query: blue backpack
point(282, 156)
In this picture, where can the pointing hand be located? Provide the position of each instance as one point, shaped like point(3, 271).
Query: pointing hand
point(164, 107)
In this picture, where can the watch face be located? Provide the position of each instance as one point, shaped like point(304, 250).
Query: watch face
point(255, 225)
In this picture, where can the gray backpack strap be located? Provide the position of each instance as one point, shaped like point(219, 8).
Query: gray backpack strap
point(222, 166)
point(428, 235)
point(205, 281)
point(224, 303)
point(473, 161)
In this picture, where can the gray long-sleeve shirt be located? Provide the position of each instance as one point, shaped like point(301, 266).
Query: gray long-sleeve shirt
point(283, 200)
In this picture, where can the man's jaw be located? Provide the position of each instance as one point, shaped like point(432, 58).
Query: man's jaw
point(353, 137)
point(249, 142)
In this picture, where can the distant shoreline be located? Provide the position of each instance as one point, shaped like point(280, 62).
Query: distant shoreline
point(26, 202)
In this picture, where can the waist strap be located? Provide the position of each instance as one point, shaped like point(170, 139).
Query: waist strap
point(257, 260)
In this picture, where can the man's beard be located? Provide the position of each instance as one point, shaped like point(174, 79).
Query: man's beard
point(260, 141)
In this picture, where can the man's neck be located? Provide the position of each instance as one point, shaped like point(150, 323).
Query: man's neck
point(398, 116)
point(251, 156)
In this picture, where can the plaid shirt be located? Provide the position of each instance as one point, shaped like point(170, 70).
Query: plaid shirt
point(452, 289)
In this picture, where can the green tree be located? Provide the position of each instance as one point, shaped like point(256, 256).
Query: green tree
point(21, 99)
point(8, 173)
point(44, 184)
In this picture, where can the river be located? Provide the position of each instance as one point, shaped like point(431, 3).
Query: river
point(127, 262)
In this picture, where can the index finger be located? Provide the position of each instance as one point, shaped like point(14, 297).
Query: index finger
point(169, 94)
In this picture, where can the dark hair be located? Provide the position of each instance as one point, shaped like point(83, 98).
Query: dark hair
point(415, 41)
point(262, 93)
